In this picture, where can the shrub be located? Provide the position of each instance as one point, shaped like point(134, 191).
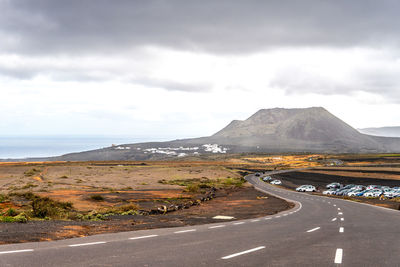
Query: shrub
point(193, 188)
point(11, 212)
point(97, 197)
point(21, 218)
point(3, 198)
point(32, 172)
point(46, 207)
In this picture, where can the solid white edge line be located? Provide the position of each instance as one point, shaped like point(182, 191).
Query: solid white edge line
point(216, 226)
point(341, 230)
point(314, 229)
point(141, 237)
point(185, 231)
point(338, 256)
point(16, 251)
point(87, 244)
point(243, 252)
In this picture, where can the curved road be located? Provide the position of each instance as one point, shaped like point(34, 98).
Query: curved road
point(318, 231)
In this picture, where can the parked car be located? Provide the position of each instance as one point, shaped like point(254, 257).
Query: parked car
point(331, 191)
point(371, 187)
point(306, 188)
point(267, 178)
point(276, 182)
point(373, 193)
point(360, 194)
point(392, 193)
point(334, 185)
point(354, 193)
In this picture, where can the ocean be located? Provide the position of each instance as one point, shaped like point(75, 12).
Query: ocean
point(45, 146)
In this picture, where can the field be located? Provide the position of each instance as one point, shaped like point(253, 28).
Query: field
point(66, 199)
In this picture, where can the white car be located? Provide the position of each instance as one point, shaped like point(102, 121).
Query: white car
point(267, 178)
point(373, 193)
point(306, 188)
point(392, 193)
point(354, 193)
point(331, 191)
point(276, 182)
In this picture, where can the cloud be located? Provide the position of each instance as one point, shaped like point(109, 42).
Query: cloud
point(101, 26)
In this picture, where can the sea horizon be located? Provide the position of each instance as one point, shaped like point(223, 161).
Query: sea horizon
point(21, 147)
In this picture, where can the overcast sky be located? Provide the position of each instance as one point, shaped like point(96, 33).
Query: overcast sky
point(173, 69)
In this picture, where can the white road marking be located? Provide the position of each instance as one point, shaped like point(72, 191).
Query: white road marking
point(141, 237)
point(334, 205)
point(334, 219)
point(87, 244)
point(341, 230)
point(285, 214)
point(340, 213)
point(269, 218)
point(237, 223)
point(277, 216)
point(256, 220)
point(243, 252)
point(339, 256)
point(16, 251)
point(338, 208)
point(329, 202)
point(314, 229)
point(216, 226)
point(342, 219)
point(185, 231)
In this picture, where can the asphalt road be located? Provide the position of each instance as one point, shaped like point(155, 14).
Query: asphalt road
point(319, 231)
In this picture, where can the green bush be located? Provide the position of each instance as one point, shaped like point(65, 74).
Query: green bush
point(11, 212)
point(46, 207)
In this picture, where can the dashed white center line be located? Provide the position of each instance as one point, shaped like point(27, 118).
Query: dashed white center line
point(141, 237)
point(342, 219)
point(314, 229)
point(237, 223)
point(269, 218)
point(87, 244)
point(341, 230)
point(185, 231)
point(16, 251)
point(256, 220)
point(243, 252)
point(277, 216)
point(339, 256)
point(334, 219)
point(285, 214)
point(216, 226)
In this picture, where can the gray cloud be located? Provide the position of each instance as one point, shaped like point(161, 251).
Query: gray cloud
point(102, 26)
point(172, 85)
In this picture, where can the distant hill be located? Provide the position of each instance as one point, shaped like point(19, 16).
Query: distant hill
point(392, 131)
point(275, 130)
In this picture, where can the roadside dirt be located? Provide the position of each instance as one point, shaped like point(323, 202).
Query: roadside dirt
point(240, 203)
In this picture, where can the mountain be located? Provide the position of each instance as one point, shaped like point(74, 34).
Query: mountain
point(392, 131)
point(275, 130)
point(296, 130)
